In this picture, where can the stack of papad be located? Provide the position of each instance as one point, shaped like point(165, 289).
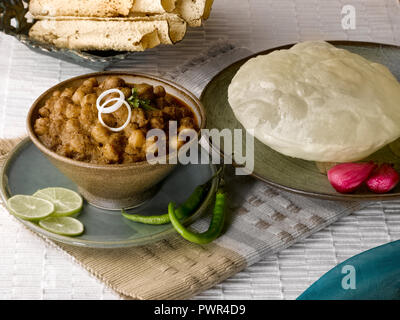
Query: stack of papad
point(120, 25)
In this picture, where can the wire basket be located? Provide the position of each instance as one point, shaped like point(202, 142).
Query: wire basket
point(15, 22)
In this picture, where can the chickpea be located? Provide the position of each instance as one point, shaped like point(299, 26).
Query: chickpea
point(159, 91)
point(170, 111)
point(126, 91)
point(89, 99)
point(144, 90)
point(157, 123)
point(60, 105)
point(137, 139)
point(169, 99)
point(56, 93)
point(42, 126)
point(44, 111)
point(110, 120)
point(86, 89)
point(186, 123)
point(77, 143)
point(112, 82)
point(68, 92)
point(139, 117)
point(109, 153)
point(87, 116)
point(117, 140)
point(56, 127)
point(129, 128)
point(150, 147)
point(77, 97)
point(50, 141)
point(72, 111)
point(100, 134)
point(98, 91)
point(50, 103)
point(72, 126)
point(121, 115)
point(90, 83)
point(55, 116)
point(155, 113)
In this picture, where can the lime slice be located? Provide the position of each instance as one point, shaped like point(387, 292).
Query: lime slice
point(65, 226)
point(66, 202)
point(30, 208)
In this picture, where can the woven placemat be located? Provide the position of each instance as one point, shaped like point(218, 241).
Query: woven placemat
point(176, 269)
point(261, 221)
point(256, 25)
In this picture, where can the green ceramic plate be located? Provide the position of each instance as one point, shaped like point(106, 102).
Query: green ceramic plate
point(288, 173)
point(27, 170)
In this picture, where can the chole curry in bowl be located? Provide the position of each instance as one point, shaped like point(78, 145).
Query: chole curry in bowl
point(97, 129)
point(69, 125)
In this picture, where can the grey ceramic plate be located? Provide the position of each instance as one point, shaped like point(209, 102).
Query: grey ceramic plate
point(288, 173)
point(27, 170)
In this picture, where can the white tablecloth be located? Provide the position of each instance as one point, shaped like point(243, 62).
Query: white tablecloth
point(31, 269)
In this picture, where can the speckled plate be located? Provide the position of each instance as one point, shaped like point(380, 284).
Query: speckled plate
point(288, 173)
point(27, 170)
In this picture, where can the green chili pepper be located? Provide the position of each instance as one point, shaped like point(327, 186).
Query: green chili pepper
point(184, 211)
point(216, 225)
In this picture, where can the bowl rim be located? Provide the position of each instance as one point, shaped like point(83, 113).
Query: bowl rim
point(141, 164)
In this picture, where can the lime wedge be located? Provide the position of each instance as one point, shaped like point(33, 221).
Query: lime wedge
point(66, 202)
point(30, 208)
point(65, 226)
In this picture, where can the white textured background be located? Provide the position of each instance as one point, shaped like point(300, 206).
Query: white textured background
point(31, 269)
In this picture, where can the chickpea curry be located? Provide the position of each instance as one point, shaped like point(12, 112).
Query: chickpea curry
point(68, 122)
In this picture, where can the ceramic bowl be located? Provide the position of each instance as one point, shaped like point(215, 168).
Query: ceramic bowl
point(114, 186)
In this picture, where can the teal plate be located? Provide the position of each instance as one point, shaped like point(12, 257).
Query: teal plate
point(288, 173)
point(376, 277)
point(27, 170)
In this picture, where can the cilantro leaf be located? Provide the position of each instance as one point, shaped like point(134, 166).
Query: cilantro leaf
point(136, 102)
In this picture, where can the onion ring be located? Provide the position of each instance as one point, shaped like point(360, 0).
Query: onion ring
point(123, 102)
point(115, 106)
